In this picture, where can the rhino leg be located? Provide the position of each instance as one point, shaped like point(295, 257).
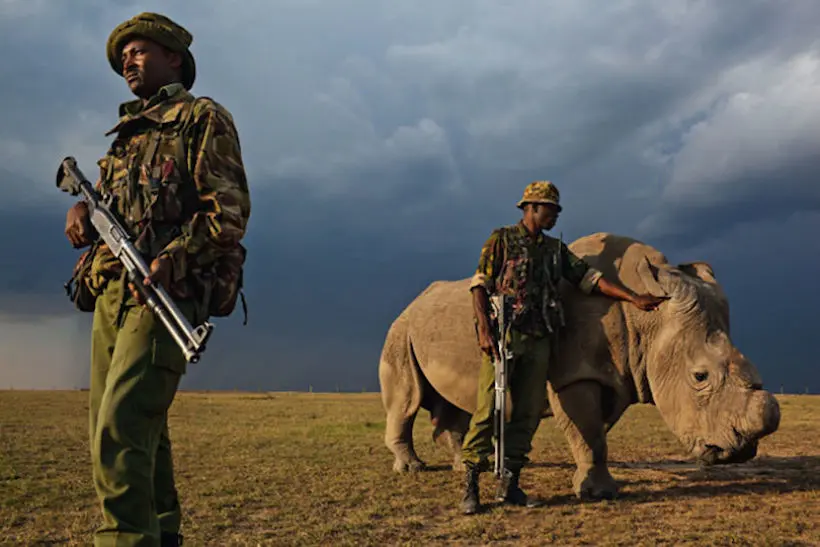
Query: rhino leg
point(452, 441)
point(578, 410)
point(401, 390)
point(399, 439)
point(451, 424)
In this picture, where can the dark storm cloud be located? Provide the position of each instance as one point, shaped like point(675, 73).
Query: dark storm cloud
point(384, 141)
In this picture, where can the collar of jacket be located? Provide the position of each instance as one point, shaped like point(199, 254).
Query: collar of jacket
point(522, 231)
point(164, 107)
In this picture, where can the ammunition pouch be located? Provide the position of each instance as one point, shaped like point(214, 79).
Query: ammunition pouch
point(77, 287)
point(226, 283)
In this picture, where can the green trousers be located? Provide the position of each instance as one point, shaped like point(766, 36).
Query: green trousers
point(527, 384)
point(135, 369)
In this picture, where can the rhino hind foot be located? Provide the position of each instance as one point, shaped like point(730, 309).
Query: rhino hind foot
point(413, 466)
point(594, 483)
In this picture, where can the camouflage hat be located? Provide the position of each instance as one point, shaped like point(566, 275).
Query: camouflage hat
point(160, 29)
point(540, 191)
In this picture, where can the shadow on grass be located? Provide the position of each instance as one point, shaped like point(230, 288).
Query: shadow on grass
point(551, 465)
point(534, 465)
point(438, 468)
point(689, 480)
point(764, 475)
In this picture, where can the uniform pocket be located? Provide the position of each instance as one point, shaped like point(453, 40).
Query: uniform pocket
point(161, 184)
point(514, 274)
point(165, 351)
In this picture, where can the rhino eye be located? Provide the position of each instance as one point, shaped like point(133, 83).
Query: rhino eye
point(701, 376)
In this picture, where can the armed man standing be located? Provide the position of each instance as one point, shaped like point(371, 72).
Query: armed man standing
point(176, 174)
point(523, 266)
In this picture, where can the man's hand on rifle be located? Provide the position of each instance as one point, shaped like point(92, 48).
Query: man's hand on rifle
point(481, 306)
point(78, 227)
point(487, 342)
point(160, 275)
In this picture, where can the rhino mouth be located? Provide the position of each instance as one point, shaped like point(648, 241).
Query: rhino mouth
point(717, 455)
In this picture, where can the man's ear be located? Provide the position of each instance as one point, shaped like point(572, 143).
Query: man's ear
point(174, 58)
point(176, 61)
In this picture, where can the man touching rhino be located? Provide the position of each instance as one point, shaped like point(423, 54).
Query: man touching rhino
point(522, 263)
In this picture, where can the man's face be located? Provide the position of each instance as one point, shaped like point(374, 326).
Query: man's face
point(147, 66)
point(545, 215)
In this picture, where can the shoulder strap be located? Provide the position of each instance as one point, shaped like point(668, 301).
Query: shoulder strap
point(182, 152)
point(505, 243)
point(503, 236)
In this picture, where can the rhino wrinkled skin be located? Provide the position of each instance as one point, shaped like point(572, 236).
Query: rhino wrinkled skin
point(610, 355)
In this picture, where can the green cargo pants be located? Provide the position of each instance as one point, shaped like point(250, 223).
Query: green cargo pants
point(527, 383)
point(135, 369)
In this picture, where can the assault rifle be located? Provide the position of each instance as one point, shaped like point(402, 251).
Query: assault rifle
point(501, 370)
point(190, 340)
point(551, 306)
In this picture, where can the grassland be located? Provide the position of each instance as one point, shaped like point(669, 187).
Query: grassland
point(310, 469)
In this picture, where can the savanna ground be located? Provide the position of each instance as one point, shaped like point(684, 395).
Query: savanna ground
point(310, 469)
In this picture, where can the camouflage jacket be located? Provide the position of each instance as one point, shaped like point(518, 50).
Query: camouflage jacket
point(528, 268)
point(176, 173)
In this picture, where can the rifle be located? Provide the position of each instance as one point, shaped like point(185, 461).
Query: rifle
point(500, 365)
point(190, 340)
point(552, 300)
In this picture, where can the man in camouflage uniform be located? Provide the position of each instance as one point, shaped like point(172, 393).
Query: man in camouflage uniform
point(176, 172)
point(522, 263)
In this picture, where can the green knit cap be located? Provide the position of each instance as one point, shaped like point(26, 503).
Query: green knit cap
point(160, 29)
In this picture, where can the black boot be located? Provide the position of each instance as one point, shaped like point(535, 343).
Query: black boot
point(167, 539)
point(470, 502)
point(508, 489)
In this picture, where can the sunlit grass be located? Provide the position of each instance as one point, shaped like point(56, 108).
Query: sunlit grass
point(287, 469)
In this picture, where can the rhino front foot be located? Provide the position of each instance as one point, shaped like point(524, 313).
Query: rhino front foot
point(412, 466)
point(594, 483)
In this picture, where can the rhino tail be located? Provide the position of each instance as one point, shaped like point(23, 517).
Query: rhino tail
point(399, 371)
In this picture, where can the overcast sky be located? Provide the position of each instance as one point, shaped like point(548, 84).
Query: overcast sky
point(383, 141)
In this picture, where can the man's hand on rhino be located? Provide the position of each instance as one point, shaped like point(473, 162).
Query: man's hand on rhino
point(615, 289)
point(648, 302)
point(78, 226)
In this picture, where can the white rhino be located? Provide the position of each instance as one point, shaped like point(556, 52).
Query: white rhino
point(610, 355)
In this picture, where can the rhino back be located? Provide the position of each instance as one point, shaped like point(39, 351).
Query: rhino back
point(443, 340)
point(617, 256)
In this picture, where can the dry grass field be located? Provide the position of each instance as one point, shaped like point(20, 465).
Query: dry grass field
point(311, 469)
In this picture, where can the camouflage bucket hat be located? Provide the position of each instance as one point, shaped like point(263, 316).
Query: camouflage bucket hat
point(160, 29)
point(541, 191)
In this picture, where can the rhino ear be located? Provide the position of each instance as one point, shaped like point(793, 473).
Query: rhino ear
point(701, 270)
point(650, 276)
